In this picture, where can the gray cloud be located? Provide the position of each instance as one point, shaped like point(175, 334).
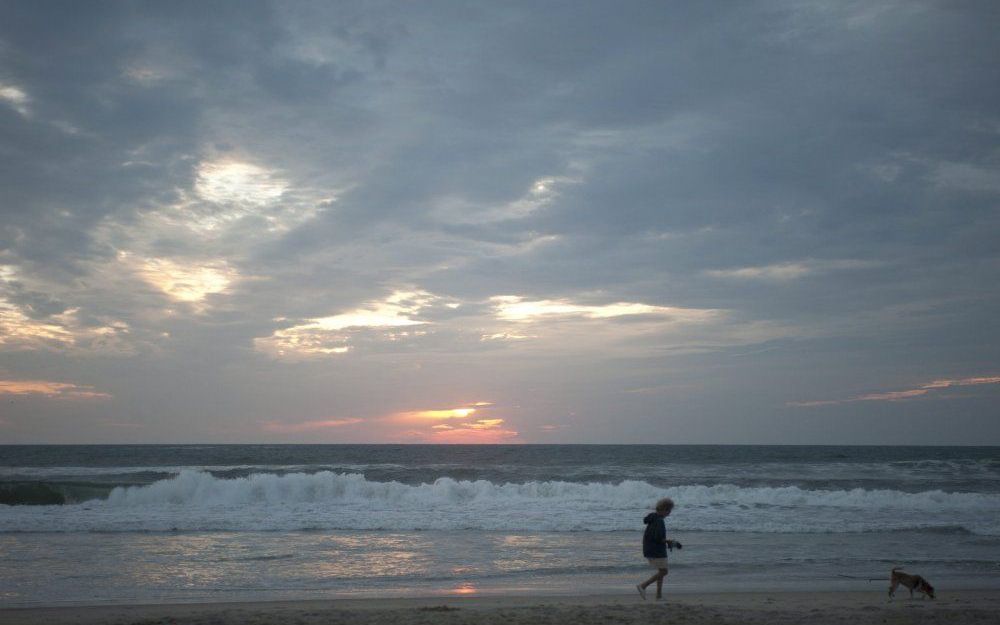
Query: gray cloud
point(189, 189)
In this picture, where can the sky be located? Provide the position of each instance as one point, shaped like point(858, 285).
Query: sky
point(500, 222)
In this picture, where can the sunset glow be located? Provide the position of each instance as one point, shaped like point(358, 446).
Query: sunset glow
point(417, 313)
point(514, 308)
point(923, 390)
point(263, 221)
point(324, 336)
point(453, 413)
point(239, 183)
point(18, 330)
point(62, 331)
point(186, 282)
point(45, 388)
point(310, 426)
point(466, 588)
point(463, 425)
point(483, 431)
point(15, 97)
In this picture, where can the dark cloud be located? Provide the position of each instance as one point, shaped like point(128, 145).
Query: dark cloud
point(190, 189)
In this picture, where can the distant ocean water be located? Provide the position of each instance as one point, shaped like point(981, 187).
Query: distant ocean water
point(223, 522)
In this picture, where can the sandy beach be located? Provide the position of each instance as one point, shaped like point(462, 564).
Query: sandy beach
point(854, 608)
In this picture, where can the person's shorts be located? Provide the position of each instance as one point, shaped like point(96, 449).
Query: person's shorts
point(657, 563)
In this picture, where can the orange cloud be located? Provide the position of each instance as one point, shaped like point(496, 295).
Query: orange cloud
point(18, 331)
point(482, 431)
point(451, 413)
point(440, 414)
point(460, 425)
point(54, 390)
point(892, 395)
point(921, 391)
point(309, 426)
point(484, 424)
point(962, 382)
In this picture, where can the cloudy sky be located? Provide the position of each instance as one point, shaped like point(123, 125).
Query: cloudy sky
point(664, 222)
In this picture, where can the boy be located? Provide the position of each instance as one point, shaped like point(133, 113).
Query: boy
point(654, 545)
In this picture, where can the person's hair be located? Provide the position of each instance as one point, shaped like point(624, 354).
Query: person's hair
point(665, 504)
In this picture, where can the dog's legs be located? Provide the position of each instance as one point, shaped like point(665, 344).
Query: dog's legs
point(892, 588)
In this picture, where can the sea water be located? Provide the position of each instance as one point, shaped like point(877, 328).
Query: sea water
point(84, 524)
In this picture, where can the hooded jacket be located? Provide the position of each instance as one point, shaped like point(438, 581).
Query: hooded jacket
point(654, 539)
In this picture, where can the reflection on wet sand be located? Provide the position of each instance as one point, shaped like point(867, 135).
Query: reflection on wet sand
point(465, 588)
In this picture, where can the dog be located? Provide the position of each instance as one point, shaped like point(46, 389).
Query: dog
point(913, 582)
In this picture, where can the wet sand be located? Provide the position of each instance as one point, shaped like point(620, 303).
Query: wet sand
point(840, 608)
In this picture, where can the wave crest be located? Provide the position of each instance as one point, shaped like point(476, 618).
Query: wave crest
point(196, 500)
point(197, 487)
point(325, 486)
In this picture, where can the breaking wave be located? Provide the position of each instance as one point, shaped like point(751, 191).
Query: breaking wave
point(196, 487)
point(197, 500)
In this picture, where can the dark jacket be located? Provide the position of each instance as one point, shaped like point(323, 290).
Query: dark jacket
point(654, 539)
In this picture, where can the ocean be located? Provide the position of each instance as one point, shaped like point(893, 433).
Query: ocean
point(161, 523)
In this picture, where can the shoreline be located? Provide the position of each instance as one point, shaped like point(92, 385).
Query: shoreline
point(840, 608)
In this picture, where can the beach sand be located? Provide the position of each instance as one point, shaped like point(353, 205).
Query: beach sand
point(841, 608)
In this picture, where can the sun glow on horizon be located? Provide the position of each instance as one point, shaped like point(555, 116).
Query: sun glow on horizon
point(450, 413)
point(462, 425)
point(465, 588)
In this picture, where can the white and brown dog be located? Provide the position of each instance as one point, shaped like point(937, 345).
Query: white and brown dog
point(913, 582)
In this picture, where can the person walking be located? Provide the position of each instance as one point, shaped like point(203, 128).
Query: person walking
point(655, 544)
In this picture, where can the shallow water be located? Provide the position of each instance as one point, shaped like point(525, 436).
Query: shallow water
point(229, 566)
point(195, 523)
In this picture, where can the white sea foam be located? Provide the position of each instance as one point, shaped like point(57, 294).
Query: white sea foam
point(196, 487)
point(195, 500)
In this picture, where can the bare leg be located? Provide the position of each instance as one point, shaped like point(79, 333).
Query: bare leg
point(650, 580)
point(659, 583)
